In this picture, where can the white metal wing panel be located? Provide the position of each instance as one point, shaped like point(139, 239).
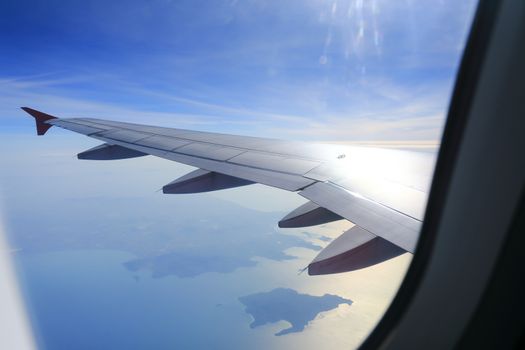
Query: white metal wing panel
point(283, 181)
point(124, 135)
point(80, 128)
point(162, 142)
point(293, 148)
point(209, 150)
point(280, 180)
point(391, 194)
point(382, 221)
point(275, 162)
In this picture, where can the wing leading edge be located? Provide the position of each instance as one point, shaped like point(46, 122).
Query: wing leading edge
point(383, 192)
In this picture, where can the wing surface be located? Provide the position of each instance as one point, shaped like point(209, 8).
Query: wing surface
point(383, 192)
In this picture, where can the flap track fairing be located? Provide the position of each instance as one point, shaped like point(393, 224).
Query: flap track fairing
point(353, 250)
point(203, 181)
point(308, 214)
point(109, 152)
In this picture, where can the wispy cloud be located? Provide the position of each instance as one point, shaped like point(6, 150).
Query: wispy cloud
point(329, 70)
point(417, 120)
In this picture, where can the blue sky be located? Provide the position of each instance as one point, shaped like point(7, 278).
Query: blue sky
point(308, 70)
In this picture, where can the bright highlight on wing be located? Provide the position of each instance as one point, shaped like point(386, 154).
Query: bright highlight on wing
point(383, 192)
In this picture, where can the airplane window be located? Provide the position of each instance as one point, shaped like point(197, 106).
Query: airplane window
point(255, 174)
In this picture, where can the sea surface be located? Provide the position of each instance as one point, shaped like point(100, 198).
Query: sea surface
point(89, 300)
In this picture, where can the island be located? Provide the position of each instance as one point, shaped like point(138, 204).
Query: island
point(288, 305)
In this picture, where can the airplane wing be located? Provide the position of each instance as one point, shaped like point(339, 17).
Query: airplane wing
point(383, 192)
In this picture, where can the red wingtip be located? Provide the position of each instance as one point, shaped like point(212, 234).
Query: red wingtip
point(40, 119)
